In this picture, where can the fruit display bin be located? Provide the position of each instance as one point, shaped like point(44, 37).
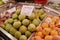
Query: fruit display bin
point(6, 6)
point(54, 6)
point(43, 31)
point(17, 24)
point(15, 28)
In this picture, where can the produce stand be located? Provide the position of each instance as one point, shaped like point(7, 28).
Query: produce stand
point(9, 33)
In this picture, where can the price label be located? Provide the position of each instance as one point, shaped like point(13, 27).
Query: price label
point(12, 10)
point(27, 10)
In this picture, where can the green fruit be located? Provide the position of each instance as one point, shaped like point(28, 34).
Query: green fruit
point(22, 17)
point(27, 33)
point(6, 22)
point(17, 12)
point(17, 24)
point(23, 37)
point(41, 11)
point(12, 31)
point(31, 27)
point(36, 22)
point(23, 29)
point(42, 16)
point(10, 20)
point(1, 3)
point(3, 26)
point(32, 16)
point(8, 26)
point(25, 22)
point(14, 16)
point(38, 13)
point(15, 20)
point(17, 34)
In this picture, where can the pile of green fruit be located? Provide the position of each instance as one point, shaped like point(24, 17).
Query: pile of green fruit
point(22, 26)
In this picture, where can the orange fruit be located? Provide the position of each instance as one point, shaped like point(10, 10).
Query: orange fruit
point(52, 25)
point(39, 28)
point(54, 32)
point(47, 30)
point(32, 38)
point(37, 38)
point(44, 25)
point(48, 37)
point(58, 23)
point(55, 19)
point(44, 32)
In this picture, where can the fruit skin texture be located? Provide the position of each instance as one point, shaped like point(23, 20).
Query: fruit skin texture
point(36, 38)
point(32, 16)
point(48, 37)
point(56, 37)
point(14, 16)
point(44, 25)
point(6, 22)
point(47, 30)
point(23, 29)
point(15, 20)
point(36, 22)
point(22, 17)
point(17, 34)
point(12, 31)
point(23, 37)
point(7, 27)
point(40, 34)
point(31, 27)
point(17, 12)
point(17, 24)
point(54, 32)
point(25, 22)
point(27, 33)
point(42, 16)
point(3, 26)
point(10, 20)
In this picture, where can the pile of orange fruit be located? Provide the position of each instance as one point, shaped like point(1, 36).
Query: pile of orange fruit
point(49, 29)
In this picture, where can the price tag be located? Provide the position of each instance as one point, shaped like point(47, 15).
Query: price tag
point(12, 10)
point(27, 10)
point(5, 1)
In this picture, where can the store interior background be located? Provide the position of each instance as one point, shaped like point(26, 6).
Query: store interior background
point(55, 1)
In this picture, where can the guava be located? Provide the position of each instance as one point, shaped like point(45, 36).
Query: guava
point(6, 22)
point(42, 16)
point(12, 31)
point(23, 29)
point(17, 34)
point(17, 24)
point(32, 16)
point(3, 26)
point(22, 17)
point(14, 16)
point(15, 20)
point(8, 26)
point(23, 37)
point(31, 27)
point(27, 33)
point(10, 20)
point(17, 12)
point(35, 22)
point(25, 22)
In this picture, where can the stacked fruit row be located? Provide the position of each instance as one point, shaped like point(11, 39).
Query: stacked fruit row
point(22, 26)
point(49, 29)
